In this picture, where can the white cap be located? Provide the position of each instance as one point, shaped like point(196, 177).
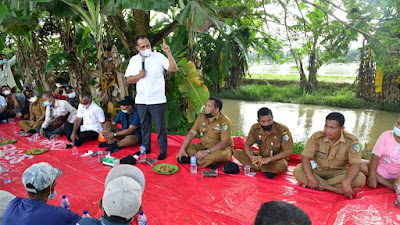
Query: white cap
point(126, 170)
point(122, 197)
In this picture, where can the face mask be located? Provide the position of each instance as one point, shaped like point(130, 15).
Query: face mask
point(396, 131)
point(51, 195)
point(146, 52)
point(72, 95)
point(6, 92)
point(47, 103)
point(267, 128)
point(110, 59)
point(33, 99)
point(1, 62)
point(124, 111)
point(4, 60)
point(60, 92)
point(209, 115)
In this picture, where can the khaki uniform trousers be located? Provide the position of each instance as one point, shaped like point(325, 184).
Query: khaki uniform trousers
point(24, 124)
point(220, 156)
point(333, 177)
point(278, 166)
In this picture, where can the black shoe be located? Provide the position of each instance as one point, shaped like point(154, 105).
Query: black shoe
point(78, 142)
point(184, 159)
point(103, 145)
point(68, 146)
point(214, 166)
point(113, 148)
point(162, 156)
point(31, 131)
point(270, 175)
point(128, 160)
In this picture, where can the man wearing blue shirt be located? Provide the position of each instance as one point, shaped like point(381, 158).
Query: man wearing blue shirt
point(40, 181)
point(130, 134)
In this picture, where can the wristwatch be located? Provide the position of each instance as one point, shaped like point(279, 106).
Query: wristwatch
point(208, 151)
point(115, 134)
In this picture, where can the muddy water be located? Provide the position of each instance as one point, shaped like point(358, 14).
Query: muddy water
point(304, 120)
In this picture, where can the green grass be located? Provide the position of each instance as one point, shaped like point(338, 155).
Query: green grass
point(296, 78)
point(336, 95)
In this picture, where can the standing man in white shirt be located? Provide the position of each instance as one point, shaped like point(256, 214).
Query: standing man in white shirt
point(6, 75)
point(93, 119)
point(146, 70)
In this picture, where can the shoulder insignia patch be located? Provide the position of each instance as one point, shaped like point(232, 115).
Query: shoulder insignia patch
point(285, 137)
point(224, 127)
point(356, 147)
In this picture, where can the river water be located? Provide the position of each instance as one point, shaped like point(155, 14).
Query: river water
point(304, 120)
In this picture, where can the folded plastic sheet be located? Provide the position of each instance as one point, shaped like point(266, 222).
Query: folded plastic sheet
point(183, 198)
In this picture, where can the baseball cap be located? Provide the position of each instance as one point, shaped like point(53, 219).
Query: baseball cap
point(40, 175)
point(27, 84)
point(27, 93)
point(128, 171)
point(127, 100)
point(122, 197)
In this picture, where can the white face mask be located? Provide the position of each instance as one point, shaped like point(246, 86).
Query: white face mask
point(6, 92)
point(33, 99)
point(146, 52)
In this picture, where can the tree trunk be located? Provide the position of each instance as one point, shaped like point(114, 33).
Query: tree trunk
point(303, 78)
point(366, 75)
point(312, 76)
point(390, 89)
point(79, 78)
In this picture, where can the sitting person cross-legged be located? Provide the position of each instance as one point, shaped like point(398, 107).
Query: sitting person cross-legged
point(215, 134)
point(130, 134)
point(59, 113)
point(37, 113)
point(337, 158)
point(89, 121)
point(384, 165)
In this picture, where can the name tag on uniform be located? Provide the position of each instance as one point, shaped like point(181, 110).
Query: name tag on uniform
point(216, 128)
point(321, 152)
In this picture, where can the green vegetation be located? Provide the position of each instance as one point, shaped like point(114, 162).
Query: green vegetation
point(337, 95)
point(296, 78)
point(298, 147)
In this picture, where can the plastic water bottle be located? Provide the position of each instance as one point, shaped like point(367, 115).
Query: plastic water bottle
point(65, 202)
point(142, 219)
point(193, 164)
point(85, 214)
point(142, 152)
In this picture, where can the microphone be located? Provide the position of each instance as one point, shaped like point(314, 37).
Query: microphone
point(143, 59)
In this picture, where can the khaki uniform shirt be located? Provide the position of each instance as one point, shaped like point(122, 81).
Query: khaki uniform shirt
point(280, 139)
point(37, 109)
point(212, 133)
point(330, 155)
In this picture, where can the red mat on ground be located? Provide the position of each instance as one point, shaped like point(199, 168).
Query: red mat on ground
point(182, 198)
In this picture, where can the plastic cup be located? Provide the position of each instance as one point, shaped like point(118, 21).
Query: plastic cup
point(6, 178)
point(247, 170)
point(35, 137)
point(74, 151)
point(100, 156)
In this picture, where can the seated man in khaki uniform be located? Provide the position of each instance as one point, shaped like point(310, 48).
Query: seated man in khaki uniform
point(275, 144)
point(333, 150)
point(215, 134)
point(37, 113)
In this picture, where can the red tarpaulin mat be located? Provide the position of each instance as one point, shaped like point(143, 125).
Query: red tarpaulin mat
point(182, 198)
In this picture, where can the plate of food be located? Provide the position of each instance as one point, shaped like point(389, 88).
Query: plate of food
point(7, 141)
point(165, 168)
point(36, 151)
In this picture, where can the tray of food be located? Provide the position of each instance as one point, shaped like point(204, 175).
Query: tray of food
point(165, 168)
point(7, 141)
point(36, 151)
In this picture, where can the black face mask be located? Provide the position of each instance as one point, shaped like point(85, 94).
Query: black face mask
point(60, 92)
point(209, 115)
point(267, 128)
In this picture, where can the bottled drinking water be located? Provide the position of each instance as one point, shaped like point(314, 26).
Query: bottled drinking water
point(85, 214)
point(142, 152)
point(65, 202)
point(142, 219)
point(193, 164)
